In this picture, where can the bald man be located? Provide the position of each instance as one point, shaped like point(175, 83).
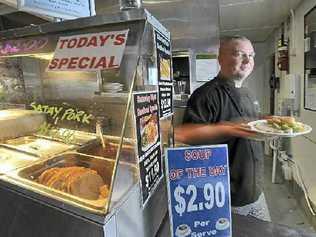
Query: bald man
point(215, 114)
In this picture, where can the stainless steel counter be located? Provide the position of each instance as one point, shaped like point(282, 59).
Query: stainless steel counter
point(23, 215)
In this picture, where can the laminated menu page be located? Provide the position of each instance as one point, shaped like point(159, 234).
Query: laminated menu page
point(198, 191)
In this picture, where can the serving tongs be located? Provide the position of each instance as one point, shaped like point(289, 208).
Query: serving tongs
point(99, 131)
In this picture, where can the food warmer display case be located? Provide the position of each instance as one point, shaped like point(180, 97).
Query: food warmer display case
point(83, 127)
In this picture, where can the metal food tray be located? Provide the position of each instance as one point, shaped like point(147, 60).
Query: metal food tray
point(104, 168)
point(12, 160)
point(35, 146)
point(114, 139)
point(27, 177)
point(96, 149)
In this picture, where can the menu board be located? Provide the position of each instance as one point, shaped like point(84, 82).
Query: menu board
point(199, 191)
point(165, 100)
point(148, 141)
point(164, 71)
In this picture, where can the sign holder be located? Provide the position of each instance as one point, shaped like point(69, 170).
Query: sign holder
point(148, 141)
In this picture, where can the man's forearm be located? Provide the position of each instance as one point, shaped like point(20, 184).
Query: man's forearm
point(201, 133)
point(209, 133)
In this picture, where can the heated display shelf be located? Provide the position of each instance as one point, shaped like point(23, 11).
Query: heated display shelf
point(69, 144)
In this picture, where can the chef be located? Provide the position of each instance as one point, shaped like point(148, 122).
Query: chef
point(215, 114)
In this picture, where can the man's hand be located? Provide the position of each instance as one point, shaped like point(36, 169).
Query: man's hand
point(238, 130)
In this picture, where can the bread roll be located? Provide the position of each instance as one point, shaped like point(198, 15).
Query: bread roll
point(288, 119)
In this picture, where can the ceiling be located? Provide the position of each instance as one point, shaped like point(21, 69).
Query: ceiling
point(255, 19)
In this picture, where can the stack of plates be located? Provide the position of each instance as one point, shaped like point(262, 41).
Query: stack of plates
point(112, 87)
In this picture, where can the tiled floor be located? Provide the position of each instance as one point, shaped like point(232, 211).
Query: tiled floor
point(282, 205)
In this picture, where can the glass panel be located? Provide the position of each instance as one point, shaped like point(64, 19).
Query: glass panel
point(127, 174)
point(67, 131)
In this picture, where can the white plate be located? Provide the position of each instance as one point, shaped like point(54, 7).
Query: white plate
point(113, 90)
point(111, 86)
point(262, 127)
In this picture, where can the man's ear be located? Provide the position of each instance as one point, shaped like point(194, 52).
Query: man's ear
point(219, 65)
point(219, 59)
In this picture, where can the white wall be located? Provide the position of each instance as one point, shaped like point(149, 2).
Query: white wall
point(258, 81)
point(303, 150)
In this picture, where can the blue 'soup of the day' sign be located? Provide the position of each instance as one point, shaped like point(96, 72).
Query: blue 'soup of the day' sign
point(198, 191)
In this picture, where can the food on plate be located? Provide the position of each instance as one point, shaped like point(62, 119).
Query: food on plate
point(150, 130)
point(285, 124)
point(165, 68)
point(79, 181)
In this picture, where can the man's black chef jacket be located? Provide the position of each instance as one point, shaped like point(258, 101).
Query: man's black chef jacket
point(217, 101)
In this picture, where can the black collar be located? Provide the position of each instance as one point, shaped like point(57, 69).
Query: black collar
point(229, 87)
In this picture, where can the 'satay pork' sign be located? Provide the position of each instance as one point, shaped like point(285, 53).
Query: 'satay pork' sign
point(89, 52)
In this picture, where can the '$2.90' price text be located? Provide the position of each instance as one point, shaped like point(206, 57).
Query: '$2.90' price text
point(211, 195)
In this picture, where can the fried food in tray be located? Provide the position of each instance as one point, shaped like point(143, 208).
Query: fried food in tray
point(285, 124)
point(79, 181)
point(72, 177)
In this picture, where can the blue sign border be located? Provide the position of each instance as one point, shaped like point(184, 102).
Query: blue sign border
point(208, 218)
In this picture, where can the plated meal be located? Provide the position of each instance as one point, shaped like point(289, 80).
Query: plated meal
point(149, 131)
point(283, 126)
point(165, 68)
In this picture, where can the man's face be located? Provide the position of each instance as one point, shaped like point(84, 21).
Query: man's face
point(236, 59)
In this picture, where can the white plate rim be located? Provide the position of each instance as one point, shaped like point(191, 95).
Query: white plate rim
point(252, 124)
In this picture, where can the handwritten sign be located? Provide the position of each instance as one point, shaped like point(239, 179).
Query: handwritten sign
point(65, 135)
point(89, 52)
point(23, 46)
point(199, 191)
point(59, 113)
